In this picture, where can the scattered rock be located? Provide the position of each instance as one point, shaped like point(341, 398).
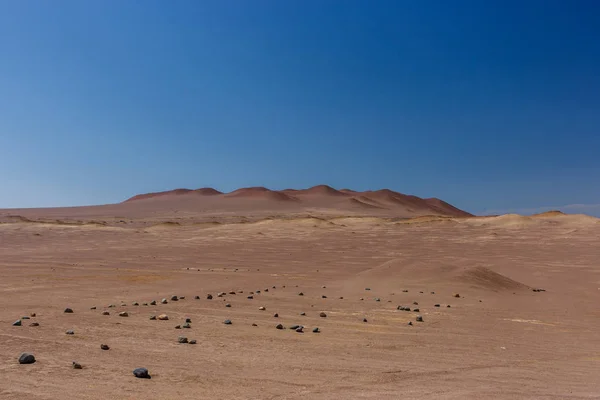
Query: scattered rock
point(254, 324)
point(68, 311)
point(227, 322)
point(181, 297)
point(193, 341)
point(174, 298)
point(262, 308)
point(323, 297)
point(377, 299)
point(188, 320)
point(141, 373)
point(76, 365)
point(186, 326)
point(17, 323)
point(26, 358)
point(177, 326)
point(302, 313)
point(144, 304)
point(294, 327)
point(300, 294)
point(182, 339)
point(34, 324)
point(416, 310)
point(32, 315)
point(456, 295)
point(104, 347)
point(341, 298)
point(322, 314)
point(300, 329)
point(367, 288)
point(105, 313)
point(436, 305)
point(196, 297)
point(111, 306)
point(135, 303)
point(279, 326)
point(232, 292)
point(123, 314)
point(93, 308)
point(419, 318)
point(164, 301)
point(410, 323)
point(405, 291)
point(275, 315)
point(153, 303)
point(365, 320)
point(123, 305)
point(448, 306)
point(70, 332)
point(415, 303)
point(227, 305)
point(153, 317)
point(250, 297)
point(209, 297)
point(316, 330)
point(163, 317)
point(432, 292)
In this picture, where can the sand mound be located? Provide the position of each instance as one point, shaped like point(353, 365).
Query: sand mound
point(485, 278)
point(157, 194)
point(261, 193)
point(552, 213)
point(363, 202)
point(446, 208)
point(207, 192)
point(321, 190)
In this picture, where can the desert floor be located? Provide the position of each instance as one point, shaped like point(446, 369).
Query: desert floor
point(499, 339)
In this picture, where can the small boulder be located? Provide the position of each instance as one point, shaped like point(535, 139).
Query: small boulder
point(322, 314)
point(419, 318)
point(135, 303)
point(456, 295)
point(416, 310)
point(163, 317)
point(227, 322)
point(377, 299)
point(153, 317)
point(25, 317)
point(262, 308)
point(436, 305)
point(105, 313)
point(76, 365)
point(227, 305)
point(193, 341)
point(188, 320)
point(250, 297)
point(209, 297)
point(196, 297)
point(93, 308)
point(17, 323)
point(104, 347)
point(34, 324)
point(303, 313)
point(141, 373)
point(182, 339)
point(164, 301)
point(32, 315)
point(365, 320)
point(316, 330)
point(279, 326)
point(68, 311)
point(410, 323)
point(186, 326)
point(70, 332)
point(26, 358)
point(254, 324)
point(300, 294)
point(123, 314)
point(323, 297)
point(153, 303)
point(174, 298)
point(300, 329)
point(177, 326)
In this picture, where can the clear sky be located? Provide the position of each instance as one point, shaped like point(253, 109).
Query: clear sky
point(490, 105)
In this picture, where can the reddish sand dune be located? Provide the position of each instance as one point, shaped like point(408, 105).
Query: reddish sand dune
point(261, 193)
point(207, 192)
point(321, 190)
point(159, 194)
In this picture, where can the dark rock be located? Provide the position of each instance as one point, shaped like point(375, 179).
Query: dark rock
point(419, 318)
point(181, 297)
point(177, 326)
point(144, 304)
point(193, 341)
point(153, 317)
point(365, 320)
point(436, 305)
point(323, 297)
point(227, 322)
point(182, 339)
point(136, 303)
point(250, 297)
point(163, 317)
point(17, 323)
point(300, 329)
point(410, 323)
point(153, 303)
point(275, 315)
point(76, 365)
point(209, 297)
point(174, 298)
point(196, 297)
point(377, 299)
point(164, 301)
point(279, 326)
point(188, 320)
point(104, 347)
point(25, 317)
point(70, 332)
point(448, 306)
point(456, 295)
point(294, 327)
point(68, 311)
point(34, 324)
point(367, 288)
point(303, 313)
point(415, 303)
point(405, 291)
point(124, 314)
point(32, 315)
point(416, 310)
point(227, 305)
point(322, 314)
point(111, 306)
point(254, 324)
point(26, 358)
point(105, 313)
point(316, 330)
point(93, 308)
point(186, 326)
point(141, 373)
point(341, 298)
point(300, 294)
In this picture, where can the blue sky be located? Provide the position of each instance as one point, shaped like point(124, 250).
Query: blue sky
point(490, 105)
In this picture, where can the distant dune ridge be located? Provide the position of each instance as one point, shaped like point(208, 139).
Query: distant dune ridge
point(320, 196)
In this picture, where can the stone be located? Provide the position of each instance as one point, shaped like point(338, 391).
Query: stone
point(232, 292)
point(141, 373)
point(377, 299)
point(70, 332)
point(17, 323)
point(258, 291)
point(209, 297)
point(26, 358)
point(93, 308)
point(153, 317)
point(323, 297)
point(177, 326)
point(322, 314)
point(362, 298)
point(196, 297)
point(186, 326)
point(221, 294)
point(262, 308)
point(279, 326)
point(405, 291)
point(416, 310)
point(144, 304)
point(303, 313)
point(227, 305)
point(174, 298)
point(105, 313)
point(227, 322)
point(181, 297)
point(367, 288)
point(188, 320)
point(25, 317)
point(410, 323)
point(123, 305)
point(436, 305)
point(300, 294)
point(153, 303)
point(365, 320)
point(193, 341)
point(316, 330)
point(294, 327)
point(419, 318)
point(163, 317)
point(76, 365)
point(341, 298)
point(275, 315)
point(266, 290)
point(415, 303)
point(135, 303)
point(401, 308)
point(432, 292)
point(68, 311)
point(254, 324)
point(34, 324)
point(250, 297)
point(300, 329)
point(164, 301)
point(124, 314)
point(111, 306)
point(32, 315)
point(456, 295)
point(182, 339)
point(104, 347)
point(448, 306)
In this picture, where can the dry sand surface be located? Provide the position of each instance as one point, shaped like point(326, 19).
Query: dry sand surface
point(499, 339)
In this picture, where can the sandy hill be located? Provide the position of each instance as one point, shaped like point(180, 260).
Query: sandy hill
point(323, 198)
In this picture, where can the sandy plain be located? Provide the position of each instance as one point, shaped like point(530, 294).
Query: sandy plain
point(498, 340)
